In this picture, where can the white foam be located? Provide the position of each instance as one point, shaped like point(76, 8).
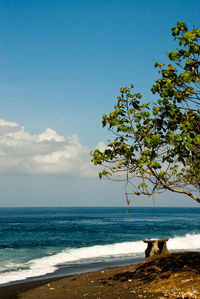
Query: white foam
point(49, 264)
point(187, 242)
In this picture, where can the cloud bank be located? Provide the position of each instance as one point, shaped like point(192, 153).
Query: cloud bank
point(46, 153)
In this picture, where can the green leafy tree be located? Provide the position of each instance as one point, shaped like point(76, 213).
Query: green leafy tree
point(157, 146)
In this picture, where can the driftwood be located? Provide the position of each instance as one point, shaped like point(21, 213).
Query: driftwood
point(156, 247)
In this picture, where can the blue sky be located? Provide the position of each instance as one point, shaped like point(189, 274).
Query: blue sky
point(62, 64)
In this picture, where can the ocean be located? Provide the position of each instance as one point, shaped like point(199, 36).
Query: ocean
point(39, 243)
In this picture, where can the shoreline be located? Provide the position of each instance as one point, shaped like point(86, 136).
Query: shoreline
point(176, 272)
point(76, 269)
point(32, 289)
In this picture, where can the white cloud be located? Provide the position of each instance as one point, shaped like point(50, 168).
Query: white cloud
point(50, 134)
point(5, 123)
point(46, 153)
point(101, 146)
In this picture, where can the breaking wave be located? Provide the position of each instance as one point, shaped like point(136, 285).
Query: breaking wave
point(99, 253)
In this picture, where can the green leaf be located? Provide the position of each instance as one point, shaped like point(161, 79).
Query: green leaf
point(165, 134)
point(104, 172)
point(187, 76)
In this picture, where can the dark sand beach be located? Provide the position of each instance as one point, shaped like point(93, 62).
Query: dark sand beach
point(176, 275)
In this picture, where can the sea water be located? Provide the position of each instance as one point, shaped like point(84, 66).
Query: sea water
point(60, 241)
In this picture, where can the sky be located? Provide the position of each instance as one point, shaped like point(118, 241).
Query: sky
point(62, 64)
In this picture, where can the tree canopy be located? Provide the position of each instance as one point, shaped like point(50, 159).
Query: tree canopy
point(157, 144)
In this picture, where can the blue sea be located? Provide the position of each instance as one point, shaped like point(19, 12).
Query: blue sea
point(37, 243)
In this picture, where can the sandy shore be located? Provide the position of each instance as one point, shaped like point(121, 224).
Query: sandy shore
point(176, 275)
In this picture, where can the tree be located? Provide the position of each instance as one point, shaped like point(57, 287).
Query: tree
point(157, 145)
